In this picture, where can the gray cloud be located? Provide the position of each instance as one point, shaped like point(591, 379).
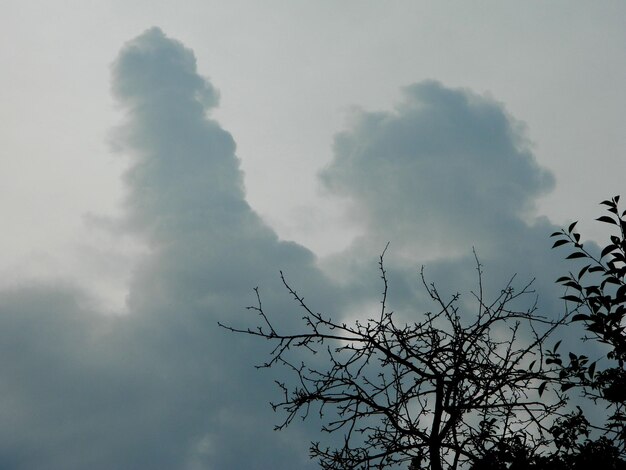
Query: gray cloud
point(162, 386)
point(186, 198)
point(446, 167)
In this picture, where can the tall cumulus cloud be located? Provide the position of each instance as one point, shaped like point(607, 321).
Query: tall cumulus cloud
point(446, 166)
point(162, 386)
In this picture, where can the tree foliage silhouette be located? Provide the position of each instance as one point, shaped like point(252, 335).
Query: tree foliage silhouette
point(597, 291)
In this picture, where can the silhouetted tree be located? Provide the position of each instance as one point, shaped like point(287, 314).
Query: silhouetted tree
point(452, 389)
point(446, 391)
point(597, 290)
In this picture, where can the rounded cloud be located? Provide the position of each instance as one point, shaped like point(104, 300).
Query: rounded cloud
point(153, 67)
point(445, 164)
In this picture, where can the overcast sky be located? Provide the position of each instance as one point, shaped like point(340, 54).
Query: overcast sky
point(160, 160)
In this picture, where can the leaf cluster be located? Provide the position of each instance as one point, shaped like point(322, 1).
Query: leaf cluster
point(599, 286)
point(597, 292)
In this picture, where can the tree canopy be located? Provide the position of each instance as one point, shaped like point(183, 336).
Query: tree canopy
point(458, 389)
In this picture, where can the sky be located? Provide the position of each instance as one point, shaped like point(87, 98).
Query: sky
point(160, 160)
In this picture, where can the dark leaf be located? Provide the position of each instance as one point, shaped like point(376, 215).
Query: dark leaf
point(607, 249)
point(566, 387)
point(571, 227)
point(563, 279)
point(619, 257)
point(556, 346)
point(572, 298)
point(576, 254)
point(620, 295)
point(592, 369)
point(581, 317)
point(595, 328)
point(560, 242)
point(583, 271)
point(541, 388)
point(556, 234)
point(573, 285)
point(607, 219)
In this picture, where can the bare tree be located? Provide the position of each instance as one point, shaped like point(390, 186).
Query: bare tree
point(441, 392)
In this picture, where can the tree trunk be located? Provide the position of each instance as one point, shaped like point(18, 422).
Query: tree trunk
point(434, 447)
